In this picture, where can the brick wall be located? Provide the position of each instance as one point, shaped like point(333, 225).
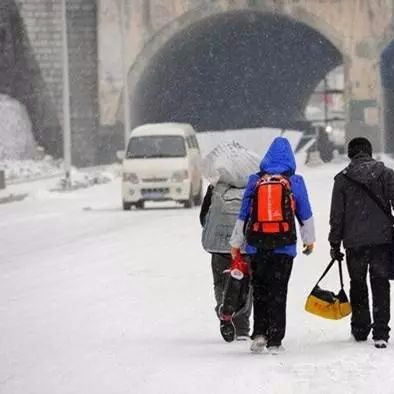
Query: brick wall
point(21, 76)
point(42, 20)
point(31, 69)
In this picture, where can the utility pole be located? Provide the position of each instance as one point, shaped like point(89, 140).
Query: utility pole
point(126, 99)
point(66, 102)
point(325, 96)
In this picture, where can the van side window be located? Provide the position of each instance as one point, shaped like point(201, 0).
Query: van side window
point(189, 142)
point(195, 142)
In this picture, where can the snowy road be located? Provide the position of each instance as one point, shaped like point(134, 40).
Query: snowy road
point(97, 300)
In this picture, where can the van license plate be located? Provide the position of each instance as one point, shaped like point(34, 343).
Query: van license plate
point(153, 195)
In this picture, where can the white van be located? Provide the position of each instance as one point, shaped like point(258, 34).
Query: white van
point(162, 162)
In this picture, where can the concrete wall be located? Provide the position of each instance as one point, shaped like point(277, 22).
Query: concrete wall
point(24, 66)
point(41, 22)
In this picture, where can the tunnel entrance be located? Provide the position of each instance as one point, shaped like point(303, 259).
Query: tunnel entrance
point(235, 70)
point(387, 78)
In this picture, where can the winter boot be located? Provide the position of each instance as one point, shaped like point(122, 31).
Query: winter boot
point(380, 343)
point(242, 337)
point(258, 344)
point(274, 350)
point(359, 339)
point(241, 334)
point(227, 328)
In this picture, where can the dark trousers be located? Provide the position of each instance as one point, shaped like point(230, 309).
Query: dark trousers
point(220, 263)
point(378, 260)
point(270, 278)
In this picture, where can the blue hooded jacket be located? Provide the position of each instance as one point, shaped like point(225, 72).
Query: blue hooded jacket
point(279, 159)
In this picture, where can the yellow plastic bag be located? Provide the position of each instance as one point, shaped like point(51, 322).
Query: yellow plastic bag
point(327, 304)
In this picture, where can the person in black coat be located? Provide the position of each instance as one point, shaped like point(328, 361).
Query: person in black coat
point(366, 231)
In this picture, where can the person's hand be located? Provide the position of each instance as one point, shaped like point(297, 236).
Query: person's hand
point(308, 249)
point(235, 252)
point(335, 252)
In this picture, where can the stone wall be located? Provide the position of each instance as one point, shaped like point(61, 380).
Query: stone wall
point(21, 72)
point(41, 22)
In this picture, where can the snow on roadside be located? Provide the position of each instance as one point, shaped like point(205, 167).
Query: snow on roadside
point(17, 140)
point(41, 180)
point(29, 169)
point(82, 179)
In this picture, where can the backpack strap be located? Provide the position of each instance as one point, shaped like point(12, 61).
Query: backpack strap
point(372, 196)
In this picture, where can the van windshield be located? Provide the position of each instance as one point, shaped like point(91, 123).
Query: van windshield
point(155, 146)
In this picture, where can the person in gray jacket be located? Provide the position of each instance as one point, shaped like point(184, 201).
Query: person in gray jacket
point(217, 216)
point(227, 168)
point(360, 218)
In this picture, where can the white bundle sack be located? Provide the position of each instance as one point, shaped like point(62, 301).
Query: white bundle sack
point(230, 163)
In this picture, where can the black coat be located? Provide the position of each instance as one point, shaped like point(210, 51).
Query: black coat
point(355, 218)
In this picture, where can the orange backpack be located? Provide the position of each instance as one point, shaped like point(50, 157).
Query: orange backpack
point(272, 219)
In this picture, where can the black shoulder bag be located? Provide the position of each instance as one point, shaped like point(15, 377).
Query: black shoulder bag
point(383, 209)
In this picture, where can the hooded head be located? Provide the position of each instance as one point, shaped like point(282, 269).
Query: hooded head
point(359, 145)
point(279, 158)
point(363, 168)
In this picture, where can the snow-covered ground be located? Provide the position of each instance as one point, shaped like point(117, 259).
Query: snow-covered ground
point(97, 300)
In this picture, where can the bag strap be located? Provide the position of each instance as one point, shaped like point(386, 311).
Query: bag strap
point(372, 196)
point(328, 269)
point(340, 273)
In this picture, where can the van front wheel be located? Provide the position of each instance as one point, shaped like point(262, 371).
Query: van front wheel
point(140, 204)
point(126, 206)
point(189, 203)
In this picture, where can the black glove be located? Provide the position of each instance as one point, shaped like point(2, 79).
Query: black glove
point(335, 252)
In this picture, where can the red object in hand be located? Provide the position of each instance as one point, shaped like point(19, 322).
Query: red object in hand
point(238, 263)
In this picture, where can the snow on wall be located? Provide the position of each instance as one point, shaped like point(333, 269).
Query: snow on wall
point(16, 140)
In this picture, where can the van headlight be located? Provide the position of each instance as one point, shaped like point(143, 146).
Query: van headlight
point(130, 177)
point(180, 176)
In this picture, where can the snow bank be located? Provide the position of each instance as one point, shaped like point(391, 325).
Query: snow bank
point(17, 140)
point(29, 169)
point(81, 179)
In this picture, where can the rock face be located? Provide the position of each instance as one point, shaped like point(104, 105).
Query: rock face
point(16, 142)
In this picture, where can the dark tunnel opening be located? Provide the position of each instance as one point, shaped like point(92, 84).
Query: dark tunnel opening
point(236, 70)
point(387, 78)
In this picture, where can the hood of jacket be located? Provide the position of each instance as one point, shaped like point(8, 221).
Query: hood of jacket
point(279, 158)
point(364, 169)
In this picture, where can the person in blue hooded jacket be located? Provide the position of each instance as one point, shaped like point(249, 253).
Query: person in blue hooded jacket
point(271, 269)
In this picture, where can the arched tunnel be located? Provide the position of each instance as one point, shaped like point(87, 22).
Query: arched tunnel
point(235, 70)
